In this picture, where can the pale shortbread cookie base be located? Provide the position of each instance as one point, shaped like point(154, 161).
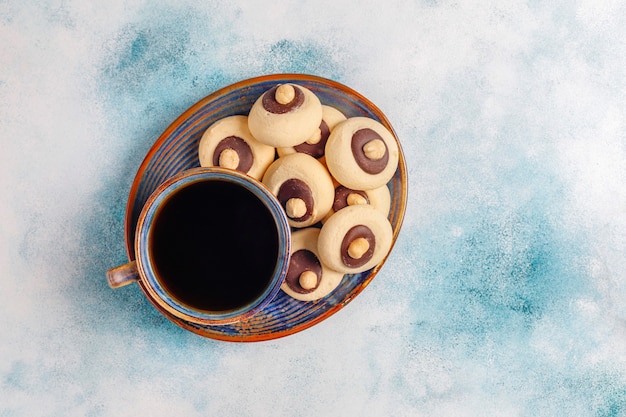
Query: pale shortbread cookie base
point(309, 170)
point(335, 228)
point(331, 116)
point(340, 159)
point(286, 129)
point(263, 155)
point(380, 199)
point(306, 239)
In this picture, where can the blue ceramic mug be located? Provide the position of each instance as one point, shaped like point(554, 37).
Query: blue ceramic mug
point(212, 247)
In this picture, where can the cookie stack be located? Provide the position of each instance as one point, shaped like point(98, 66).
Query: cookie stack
point(330, 174)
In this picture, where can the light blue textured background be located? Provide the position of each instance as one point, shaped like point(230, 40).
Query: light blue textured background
point(505, 294)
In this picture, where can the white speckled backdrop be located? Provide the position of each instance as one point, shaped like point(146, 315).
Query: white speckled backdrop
point(505, 294)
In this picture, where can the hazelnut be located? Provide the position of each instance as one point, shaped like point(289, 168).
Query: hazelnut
point(285, 93)
point(315, 137)
point(358, 247)
point(308, 280)
point(229, 158)
point(354, 199)
point(374, 149)
point(295, 208)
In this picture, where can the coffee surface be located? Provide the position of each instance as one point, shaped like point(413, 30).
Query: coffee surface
point(214, 246)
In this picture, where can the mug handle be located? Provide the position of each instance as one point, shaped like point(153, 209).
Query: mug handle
point(123, 275)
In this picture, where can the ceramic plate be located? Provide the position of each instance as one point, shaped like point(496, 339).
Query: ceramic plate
point(176, 150)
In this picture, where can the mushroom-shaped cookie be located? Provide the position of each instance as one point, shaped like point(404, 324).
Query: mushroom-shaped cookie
point(361, 153)
point(379, 198)
point(355, 239)
point(285, 115)
point(303, 186)
point(228, 143)
point(308, 278)
point(316, 144)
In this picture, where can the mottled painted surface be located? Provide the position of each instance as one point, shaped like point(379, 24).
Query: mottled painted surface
point(505, 294)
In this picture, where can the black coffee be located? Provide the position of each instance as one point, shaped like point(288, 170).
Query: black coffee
point(214, 246)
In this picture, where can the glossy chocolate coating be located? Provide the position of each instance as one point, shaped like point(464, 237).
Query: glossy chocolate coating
point(295, 188)
point(246, 159)
point(301, 261)
point(271, 105)
point(316, 150)
point(359, 139)
point(341, 197)
point(359, 231)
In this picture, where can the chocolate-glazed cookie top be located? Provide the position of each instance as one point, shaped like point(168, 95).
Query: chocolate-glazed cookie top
point(316, 150)
point(341, 197)
point(355, 233)
point(297, 189)
point(273, 106)
point(301, 261)
point(360, 139)
point(240, 146)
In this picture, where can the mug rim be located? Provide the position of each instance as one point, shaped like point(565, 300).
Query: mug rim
point(147, 275)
